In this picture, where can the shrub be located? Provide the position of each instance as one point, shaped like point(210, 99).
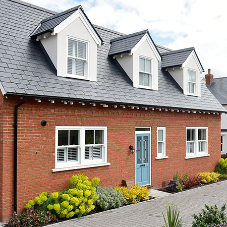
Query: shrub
point(173, 219)
point(209, 177)
point(109, 198)
point(77, 200)
point(134, 194)
point(190, 182)
point(210, 216)
point(31, 217)
point(221, 166)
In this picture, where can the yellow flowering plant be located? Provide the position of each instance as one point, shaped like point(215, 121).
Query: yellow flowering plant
point(209, 177)
point(134, 194)
point(77, 200)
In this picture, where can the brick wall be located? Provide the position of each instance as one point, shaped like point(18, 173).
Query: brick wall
point(36, 146)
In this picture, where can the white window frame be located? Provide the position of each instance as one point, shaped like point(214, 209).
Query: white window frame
point(197, 153)
point(222, 144)
point(82, 162)
point(151, 79)
point(86, 67)
point(195, 83)
point(163, 154)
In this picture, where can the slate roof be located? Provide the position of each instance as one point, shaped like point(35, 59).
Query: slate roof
point(125, 43)
point(176, 57)
point(218, 88)
point(48, 24)
point(162, 49)
point(24, 70)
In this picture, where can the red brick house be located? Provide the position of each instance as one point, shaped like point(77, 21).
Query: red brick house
point(77, 98)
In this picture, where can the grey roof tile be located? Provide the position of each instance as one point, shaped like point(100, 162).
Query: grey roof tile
point(218, 88)
point(112, 84)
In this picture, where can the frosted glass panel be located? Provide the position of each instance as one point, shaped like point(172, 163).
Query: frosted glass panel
point(145, 79)
point(141, 79)
point(160, 148)
point(142, 64)
point(139, 152)
point(145, 150)
point(148, 66)
point(160, 135)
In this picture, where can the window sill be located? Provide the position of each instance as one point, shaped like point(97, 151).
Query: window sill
point(145, 87)
point(80, 167)
point(197, 156)
point(162, 157)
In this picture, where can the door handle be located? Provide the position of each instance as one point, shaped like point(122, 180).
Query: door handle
point(142, 165)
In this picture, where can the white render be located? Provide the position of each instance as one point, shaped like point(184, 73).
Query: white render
point(50, 45)
point(130, 62)
point(56, 45)
point(180, 74)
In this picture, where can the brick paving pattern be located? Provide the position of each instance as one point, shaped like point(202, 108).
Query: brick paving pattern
point(149, 213)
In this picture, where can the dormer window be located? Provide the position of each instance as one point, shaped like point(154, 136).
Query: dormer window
point(145, 76)
point(191, 82)
point(77, 59)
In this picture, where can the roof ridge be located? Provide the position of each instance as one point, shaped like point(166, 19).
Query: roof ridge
point(61, 13)
point(129, 35)
point(108, 30)
point(178, 51)
point(166, 48)
point(33, 6)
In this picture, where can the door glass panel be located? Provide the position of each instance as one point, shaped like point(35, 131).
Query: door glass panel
point(145, 149)
point(139, 152)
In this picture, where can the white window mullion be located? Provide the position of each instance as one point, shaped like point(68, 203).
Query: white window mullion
point(82, 140)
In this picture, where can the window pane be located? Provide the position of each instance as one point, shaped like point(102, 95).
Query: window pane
point(139, 155)
point(87, 152)
point(202, 134)
point(79, 67)
point(99, 137)
point(160, 135)
point(63, 138)
point(89, 136)
point(141, 79)
point(70, 66)
point(145, 150)
point(61, 155)
point(142, 65)
point(193, 76)
point(160, 147)
point(74, 137)
point(190, 134)
point(190, 147)
point(202, 146)
point(73, 154)
point(72, 48)
point(148, 66)
point(146, 79)
point(97, 152)
point(93, 152)
point(82, 50)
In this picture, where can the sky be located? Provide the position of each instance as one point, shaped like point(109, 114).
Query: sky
point(175, 24)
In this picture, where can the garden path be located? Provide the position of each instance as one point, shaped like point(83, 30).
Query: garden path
point(149, 213)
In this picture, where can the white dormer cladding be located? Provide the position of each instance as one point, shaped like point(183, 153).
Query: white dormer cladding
point(78, 29)
point(188, 75)
point(130, 62)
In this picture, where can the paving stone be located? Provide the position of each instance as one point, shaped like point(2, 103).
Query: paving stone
point(149, 213)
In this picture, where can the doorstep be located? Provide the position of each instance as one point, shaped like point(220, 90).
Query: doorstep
point(158, 194)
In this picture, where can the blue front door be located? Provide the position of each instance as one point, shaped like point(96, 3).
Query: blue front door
point(143, 159)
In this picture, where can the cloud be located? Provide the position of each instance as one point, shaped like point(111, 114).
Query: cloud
point(184, 23)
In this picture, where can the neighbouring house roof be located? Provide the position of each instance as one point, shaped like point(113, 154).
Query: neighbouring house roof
point(25, 71)
point(218, 88)
point(176, 58)
point(162, 49)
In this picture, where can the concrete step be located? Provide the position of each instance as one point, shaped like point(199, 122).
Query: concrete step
point(157, 194)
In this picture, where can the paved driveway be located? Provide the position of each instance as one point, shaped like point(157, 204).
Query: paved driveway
point(149, 213)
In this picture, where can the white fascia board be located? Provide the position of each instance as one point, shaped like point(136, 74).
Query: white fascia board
point(196, 61)
point(71, 18)
point(2, 89)
point(146, 37)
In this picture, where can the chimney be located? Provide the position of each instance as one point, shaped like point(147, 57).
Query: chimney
point(209, 77)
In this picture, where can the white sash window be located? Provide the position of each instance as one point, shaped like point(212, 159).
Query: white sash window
point(79, 146)
point(145, 76)
point(77, 58)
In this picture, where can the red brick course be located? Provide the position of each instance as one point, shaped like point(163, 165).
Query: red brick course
point(36, 145)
